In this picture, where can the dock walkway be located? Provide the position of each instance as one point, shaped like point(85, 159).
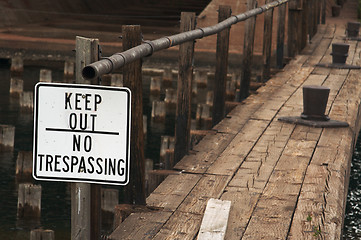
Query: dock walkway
point(284, 181)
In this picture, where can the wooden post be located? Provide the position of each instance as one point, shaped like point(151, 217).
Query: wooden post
point(85, 197)
point(294, 27)
point(24, 165)
point(80, 211)
point(29, 201)
point(304, 24)
point(249, 32)
point(219, 96)
point(7, 136)
point(281, 35)
point(323, 16)
point(158, 111)
point(26, 101)
point(184, 90)
point(318, 11)
point(267, 43)
point(68, 69)
point(132, 77)
point(16, 86)
point(17, 64)
point(315, 15)
point(45, 75)
point(310, 19)
point(42, 234)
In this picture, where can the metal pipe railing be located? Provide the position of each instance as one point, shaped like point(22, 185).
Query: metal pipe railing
point(117, 60)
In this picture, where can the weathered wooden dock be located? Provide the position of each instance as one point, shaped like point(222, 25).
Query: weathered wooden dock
point(284, 181)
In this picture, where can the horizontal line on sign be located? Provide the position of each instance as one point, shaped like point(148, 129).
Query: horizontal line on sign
point(81, 131)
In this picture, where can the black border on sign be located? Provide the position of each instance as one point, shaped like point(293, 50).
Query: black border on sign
point(81, 86)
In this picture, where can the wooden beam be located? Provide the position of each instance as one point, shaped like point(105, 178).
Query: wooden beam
point(215, 219)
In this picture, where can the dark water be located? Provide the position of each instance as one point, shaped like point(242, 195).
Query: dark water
point(55, 212)
point(352, 229)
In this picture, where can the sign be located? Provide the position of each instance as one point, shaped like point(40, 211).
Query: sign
point(81, 133)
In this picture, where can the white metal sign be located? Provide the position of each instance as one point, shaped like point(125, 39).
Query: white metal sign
point(81, 133)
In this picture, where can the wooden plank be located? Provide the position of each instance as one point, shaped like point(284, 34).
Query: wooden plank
point(243, 202)
point(262, 158)
point(209, 186)
point(172, 191)
point(215, 219)
point(181, 225)
point(319, 52)
point(246, 138)
point(205, 153)
point(141, 225)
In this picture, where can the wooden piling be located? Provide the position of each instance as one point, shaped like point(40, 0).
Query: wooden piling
point(281, 35)
point(145, 127)
point(132, 76)
point(267, 43)
point(42, 234)
point(45, 75)
point(230, 90)
point(219, 90)
point(17, 64)
point(7, 136)
point(210, 98)
point(148, 167)
point(170, 100)
point(29, 201)
point(167, 77)
point(200, 78)
point(250, 26)
point(24, 165)
point(26, 101)
point(165, 158)
point(155, 85)
point(158, 111)
point(184, 89)
point(204, 116)
point(69, 69)
point(16, 86)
